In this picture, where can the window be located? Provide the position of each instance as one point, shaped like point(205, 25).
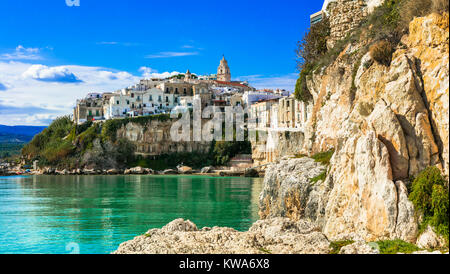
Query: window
point(176, 90)
point(132, 95)
point(118, 102)
point(97, 113)
point(128, 102)
point(167, 99)
point(151, 98)
point(167, 90)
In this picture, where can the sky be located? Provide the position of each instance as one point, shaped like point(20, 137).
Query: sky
point(52, 54)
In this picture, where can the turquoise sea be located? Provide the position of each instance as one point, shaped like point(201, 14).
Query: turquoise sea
point(94, 214)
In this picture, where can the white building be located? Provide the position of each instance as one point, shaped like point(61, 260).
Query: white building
point(137, 103)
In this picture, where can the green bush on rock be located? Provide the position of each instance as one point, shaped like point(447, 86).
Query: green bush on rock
point(429, 194)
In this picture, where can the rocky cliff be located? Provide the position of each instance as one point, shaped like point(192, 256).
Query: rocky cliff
point(153, 139)
point(389, 123)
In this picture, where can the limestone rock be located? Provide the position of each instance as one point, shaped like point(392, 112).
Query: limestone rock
point(169, 172)
point(206, 170)
point(430, 240)
point(180, 225)
point(185, 170)
point(359, 247)
point(277, 236)
point(289, 192)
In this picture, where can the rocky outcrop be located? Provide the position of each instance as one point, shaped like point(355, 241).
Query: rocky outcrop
point(359, 247)
point(138, 171)
point(430, 240)
point(276, 236)
point(289, 190)
point(154, 139)
point(388, 124)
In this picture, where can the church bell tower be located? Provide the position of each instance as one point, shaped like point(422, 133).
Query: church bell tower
point(223, 72)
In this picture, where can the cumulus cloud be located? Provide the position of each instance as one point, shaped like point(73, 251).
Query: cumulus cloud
point(22, 53)
point(51, 74)
point(150, 73)
point(31, 101)
point(170, 54)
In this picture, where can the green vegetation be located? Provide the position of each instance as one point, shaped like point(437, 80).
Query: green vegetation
point(338, 245)
point(51, 144)
point(324, 157)
point(10, 149)
point(380, 32)
point(266, 251)
point(396, 246)
point(301, 88)
point(321, 177)
point(429, 194)
point(309, 50)
point(382, 52)
point(110, 127)
point(67, 145)
point(162, 162)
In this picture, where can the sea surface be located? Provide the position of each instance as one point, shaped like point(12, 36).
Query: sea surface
point(94, 214)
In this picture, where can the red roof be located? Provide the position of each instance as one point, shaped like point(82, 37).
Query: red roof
point(231, 84)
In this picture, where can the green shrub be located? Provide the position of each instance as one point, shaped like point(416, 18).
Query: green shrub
point(382, 52)
point(323, 157)
point(301, 88)
point(429, 194)
point(314, 44)
point(338, 245)
point(396, 246)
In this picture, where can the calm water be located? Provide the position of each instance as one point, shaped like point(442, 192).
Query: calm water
point(94, 214)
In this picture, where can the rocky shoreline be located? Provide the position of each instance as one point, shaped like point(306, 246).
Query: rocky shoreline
point(184, 170)
point(269, 236)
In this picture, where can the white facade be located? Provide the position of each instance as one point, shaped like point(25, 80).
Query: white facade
point(152, 101)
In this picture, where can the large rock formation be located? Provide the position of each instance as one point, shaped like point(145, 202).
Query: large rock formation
point(153, 139)
point(278, 236)
point(389, 123)
point(289, 190)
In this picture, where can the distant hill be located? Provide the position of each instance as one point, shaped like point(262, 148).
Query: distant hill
point(13, 138)
point(21, 130)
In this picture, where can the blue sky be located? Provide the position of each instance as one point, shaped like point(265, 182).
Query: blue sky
point(51, 54)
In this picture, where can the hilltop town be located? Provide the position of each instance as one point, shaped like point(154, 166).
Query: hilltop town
point(161, 96)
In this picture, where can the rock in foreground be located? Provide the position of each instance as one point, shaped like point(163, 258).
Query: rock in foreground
point(277, 236)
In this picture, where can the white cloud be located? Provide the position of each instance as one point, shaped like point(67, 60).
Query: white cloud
point(170, 54)
point(51, 74)
point(22, 53)
point(31, 101)
point(150, 73)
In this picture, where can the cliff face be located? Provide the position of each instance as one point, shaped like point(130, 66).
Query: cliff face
point(389, 123)
point(153, 139)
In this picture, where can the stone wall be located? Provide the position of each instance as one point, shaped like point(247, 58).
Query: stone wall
point(346, 15)
point(154, 139)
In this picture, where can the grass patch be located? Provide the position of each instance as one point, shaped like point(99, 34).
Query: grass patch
point(266, 251)
point(320, 177)
point(338, 245)
point(396, 246)
point(323, 157)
